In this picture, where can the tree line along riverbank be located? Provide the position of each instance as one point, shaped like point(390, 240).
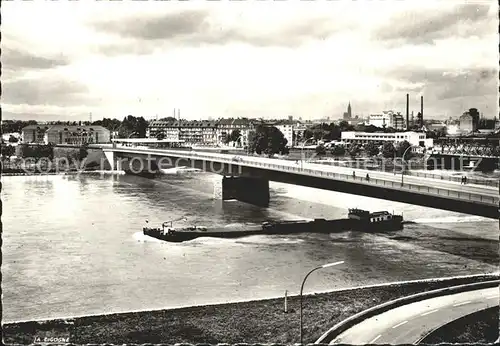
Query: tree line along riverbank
point(261, 321)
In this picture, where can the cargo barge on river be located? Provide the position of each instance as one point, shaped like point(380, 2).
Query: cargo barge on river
point(357, 220)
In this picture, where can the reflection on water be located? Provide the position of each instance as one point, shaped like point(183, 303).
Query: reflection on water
point(73, 246)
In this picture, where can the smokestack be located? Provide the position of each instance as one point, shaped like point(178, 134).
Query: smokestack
point(407, 111)
point(422, 110)
point(179, 114)
point(174, 113)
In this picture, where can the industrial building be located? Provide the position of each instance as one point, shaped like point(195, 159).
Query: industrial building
point(414, 138)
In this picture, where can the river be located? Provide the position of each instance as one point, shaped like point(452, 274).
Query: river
point(72, 245)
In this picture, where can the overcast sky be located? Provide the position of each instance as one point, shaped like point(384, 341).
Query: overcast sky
point(256, 59)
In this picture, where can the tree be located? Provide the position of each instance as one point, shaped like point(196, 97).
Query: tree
point(371, 149)
point(308, 133)
point(160, 136)
point(354, 150)
point(83, 152)
point(320, 150)
point(345, 126)
point(235, 136)
point(8, 151)
point(319, 134)
point(401, 149)
point(372, 128)
point(131, 124)
point(110, 124)
point(268, 140)
point(13, 139)
point(338, 150)
point(169, 119)
point(388, 150)
point(10, 126)
point(420, 120)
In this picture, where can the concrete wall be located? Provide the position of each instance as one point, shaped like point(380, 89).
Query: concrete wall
point(95, 157)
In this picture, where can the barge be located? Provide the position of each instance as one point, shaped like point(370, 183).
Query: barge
point(357, 220)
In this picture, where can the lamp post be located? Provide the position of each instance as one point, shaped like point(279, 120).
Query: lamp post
point(302, 288)
point(403, 161)
point(302, 149)
point(302, 152)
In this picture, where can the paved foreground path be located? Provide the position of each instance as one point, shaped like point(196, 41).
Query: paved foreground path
point(408, 323)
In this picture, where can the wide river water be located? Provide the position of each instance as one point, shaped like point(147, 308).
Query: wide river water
point(72, 245)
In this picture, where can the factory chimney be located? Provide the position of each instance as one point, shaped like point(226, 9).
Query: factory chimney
point(407, 111)
point(422, 110)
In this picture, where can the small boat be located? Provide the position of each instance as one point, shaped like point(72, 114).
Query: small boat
point(376, 221)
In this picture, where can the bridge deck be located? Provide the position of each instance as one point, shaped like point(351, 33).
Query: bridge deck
point(450, 190)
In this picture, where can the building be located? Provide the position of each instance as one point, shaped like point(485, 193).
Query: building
point(76, 135)
point(224, 129)
point(298, 134)
point(414, 138)
point(245, 126)
point(201, 132)
point(387, 119)
point(286, 127)
point(65, 134)
point(348, 114)
point(169, 129)
point(292, 130)
point(467, 123)
point(382, 120)
point(398, 121)
point(34, 133)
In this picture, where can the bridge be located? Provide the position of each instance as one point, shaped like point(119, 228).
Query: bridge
point(247, 179)
point(462, 160)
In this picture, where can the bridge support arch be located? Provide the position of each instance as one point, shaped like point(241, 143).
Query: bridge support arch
point(245, 189)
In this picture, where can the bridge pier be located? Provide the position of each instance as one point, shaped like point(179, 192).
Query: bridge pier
point(245, 189)
point(114, 161)
point(139, 166)
point(110, 156)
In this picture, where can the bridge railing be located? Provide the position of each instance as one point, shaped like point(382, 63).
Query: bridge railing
point(486, 182)
point(421, 189)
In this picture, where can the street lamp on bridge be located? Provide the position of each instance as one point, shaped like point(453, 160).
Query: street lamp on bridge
point(302, 149)
point(302, 288)
point(403, 161)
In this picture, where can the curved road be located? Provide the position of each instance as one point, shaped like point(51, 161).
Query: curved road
point(408, 323)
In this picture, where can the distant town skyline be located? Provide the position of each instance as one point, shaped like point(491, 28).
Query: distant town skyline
point(268, 60)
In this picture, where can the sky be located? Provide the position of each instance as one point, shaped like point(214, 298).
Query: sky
point(66, 60)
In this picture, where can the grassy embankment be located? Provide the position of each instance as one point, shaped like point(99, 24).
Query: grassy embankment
point(479, 327)
point(261, 321)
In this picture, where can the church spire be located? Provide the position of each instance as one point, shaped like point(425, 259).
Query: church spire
point(349, 110)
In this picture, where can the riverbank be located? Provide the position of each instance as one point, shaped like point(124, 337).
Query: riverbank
point(261, 321)
point(21, 172)
point(478, 328)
